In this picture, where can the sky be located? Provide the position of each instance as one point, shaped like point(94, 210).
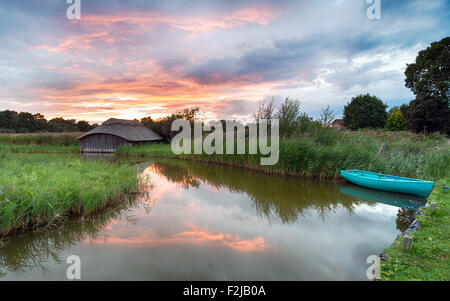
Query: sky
point(131, 59)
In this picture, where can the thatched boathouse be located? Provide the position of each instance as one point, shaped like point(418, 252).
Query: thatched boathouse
point(114, 132)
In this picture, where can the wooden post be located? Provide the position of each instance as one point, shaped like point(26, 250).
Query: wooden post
point(407, 242)
point(433, 206)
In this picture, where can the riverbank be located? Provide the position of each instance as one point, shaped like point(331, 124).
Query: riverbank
point(39, 190)
point(322, 154)
point(316, 154)
point(428, 259)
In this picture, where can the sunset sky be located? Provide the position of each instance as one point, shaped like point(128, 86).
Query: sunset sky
point(130, 59)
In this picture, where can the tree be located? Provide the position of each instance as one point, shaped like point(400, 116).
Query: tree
point(428, 114)
point(429, 79)
point(9, 120)
point(266, 110)
point(61, 125)
point(430, 74)
point(396, 121)
point(84, 126)
point(26, 123)
point(40, 121)
point(365, 111)
point(163, 126)
point(288, 116)
point(327, 116)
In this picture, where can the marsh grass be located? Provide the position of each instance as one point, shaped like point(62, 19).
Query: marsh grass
point(38, 148)
point(45, 190)
point(54, 139)
point(323, 153)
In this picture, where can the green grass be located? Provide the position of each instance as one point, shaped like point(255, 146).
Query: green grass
point(324, 153)
point(45, 190)
point(54, 139)
point(428, 259)
point(38, 148)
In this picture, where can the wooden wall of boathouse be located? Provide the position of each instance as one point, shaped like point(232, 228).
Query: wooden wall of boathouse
point(102, 143)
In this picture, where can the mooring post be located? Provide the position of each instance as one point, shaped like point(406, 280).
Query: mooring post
point(407, 242)
point(433, 206)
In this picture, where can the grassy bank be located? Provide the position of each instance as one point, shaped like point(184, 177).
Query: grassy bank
point(38, 148)
point(428, 259)
point(324, 153)
point(320, 153)
point(44, 190)
point(53, 139)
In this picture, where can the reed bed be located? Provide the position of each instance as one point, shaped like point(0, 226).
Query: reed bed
point(323, 153)
point(55, 139)
point(45, 190)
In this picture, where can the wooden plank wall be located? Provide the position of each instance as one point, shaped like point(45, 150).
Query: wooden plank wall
point(101, 143)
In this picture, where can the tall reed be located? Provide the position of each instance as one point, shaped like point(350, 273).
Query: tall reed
point(44, 190)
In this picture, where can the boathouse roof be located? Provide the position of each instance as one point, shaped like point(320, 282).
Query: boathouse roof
point(131, 130)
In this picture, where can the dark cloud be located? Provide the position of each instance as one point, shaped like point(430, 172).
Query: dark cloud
point(324, 47)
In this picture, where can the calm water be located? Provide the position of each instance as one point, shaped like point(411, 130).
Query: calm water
point(207, 222)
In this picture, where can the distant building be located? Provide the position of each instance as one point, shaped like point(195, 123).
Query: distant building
point(338, 124)
point(115, 132)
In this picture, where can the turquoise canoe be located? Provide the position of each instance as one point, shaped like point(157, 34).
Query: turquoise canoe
point(388, 183)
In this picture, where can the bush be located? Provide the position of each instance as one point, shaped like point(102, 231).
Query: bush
point(396, 121)
point(365, 111)
point(428, 114)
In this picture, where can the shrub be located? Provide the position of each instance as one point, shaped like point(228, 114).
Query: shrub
point(365, 111)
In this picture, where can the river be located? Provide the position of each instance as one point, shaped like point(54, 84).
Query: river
point(196, 221)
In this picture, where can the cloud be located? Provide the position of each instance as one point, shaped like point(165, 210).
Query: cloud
point(124, 58)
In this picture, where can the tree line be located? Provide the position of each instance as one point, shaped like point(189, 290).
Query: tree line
point(429, 79)
point(25, 122)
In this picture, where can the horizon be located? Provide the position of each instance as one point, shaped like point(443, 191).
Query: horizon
point(133, 59)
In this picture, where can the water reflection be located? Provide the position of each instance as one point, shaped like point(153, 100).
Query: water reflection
point(32, 250)
point(406, 201)
point(282, 197)
point(109, 157)
point(209, 222)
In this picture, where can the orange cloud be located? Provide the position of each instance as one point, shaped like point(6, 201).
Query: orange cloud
point(195, 236)
point(103, 25)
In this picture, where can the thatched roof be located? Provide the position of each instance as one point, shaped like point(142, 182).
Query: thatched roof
point(131, 130)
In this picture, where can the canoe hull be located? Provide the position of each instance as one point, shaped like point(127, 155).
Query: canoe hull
point(388, 183)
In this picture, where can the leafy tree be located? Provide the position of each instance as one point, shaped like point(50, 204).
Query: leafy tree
point(396, 121)
point(288, 116)
point(428, 114)
point(84, 126)
point(327, 116)
point(190, 114)
point(430, 74)
point(26, 123)
point(9, 120)
point(365, 111)
point(429, 79)
point(62, 125)
point(162, 126)
point(40, 121)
